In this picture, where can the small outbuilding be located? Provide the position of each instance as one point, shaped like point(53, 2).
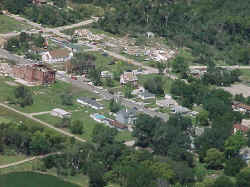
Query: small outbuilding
point(57, 112)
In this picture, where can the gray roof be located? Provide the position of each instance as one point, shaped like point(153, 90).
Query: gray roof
point(146, 94)
point(180, 109)
point(126, 113)
point(91, 102)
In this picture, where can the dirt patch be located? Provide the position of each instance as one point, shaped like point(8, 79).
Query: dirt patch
point(238, 89)
point(11, 83)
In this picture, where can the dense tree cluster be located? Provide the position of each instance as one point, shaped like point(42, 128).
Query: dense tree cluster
point(22, 96)
point(47, 15)
point(209, 28)
point(29, 139)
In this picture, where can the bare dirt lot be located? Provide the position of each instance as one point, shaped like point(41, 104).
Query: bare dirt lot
point(239, 89)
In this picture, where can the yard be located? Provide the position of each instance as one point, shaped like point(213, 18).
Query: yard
point(47, 98)
point(8, 24)
point(89, 124)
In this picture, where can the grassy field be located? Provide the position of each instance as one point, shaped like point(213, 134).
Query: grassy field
point(47, 98)
point(5, 89)
point(7, 159)
point(245, 75)
point(8, 24)
point(88, 123)
point(31, 179)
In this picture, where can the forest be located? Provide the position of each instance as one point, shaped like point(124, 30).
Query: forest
point(212, 29)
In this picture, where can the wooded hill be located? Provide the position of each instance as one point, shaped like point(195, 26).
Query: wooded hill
point(211, 28)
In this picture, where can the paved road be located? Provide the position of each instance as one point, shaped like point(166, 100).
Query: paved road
point(27, 160)
point(43, 123)
point(231, 67)
point(106, 95)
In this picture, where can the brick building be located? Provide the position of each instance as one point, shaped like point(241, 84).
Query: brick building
point(34, 73)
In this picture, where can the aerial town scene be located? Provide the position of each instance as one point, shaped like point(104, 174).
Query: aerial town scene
point(114, 93)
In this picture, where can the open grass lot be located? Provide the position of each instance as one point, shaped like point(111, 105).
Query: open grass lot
point(47, 98)
point(88, 123)
point(31, 179)
point(8, 24)
point(245, 75)
point(5, 89)
point(12, 116)
point(7, 159)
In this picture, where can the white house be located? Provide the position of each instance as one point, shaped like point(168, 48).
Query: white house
point(106, 74)
point(57, 112)
point(128, 77)
point(58, 55)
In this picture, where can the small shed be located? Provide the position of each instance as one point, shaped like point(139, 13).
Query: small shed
point(57, 112)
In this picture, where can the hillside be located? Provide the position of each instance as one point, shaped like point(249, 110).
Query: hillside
point(211, 28)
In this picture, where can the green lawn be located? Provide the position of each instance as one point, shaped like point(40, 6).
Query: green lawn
point(88, 123)
point(31, 179)
point(245, 75)
point(5, 89)
point(47, 98)
point(7, 159)
point(8, 24)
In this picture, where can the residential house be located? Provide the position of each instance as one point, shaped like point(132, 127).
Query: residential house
point(243, 127)
point(128, 77)
point(90, 102)
point(179, 110)
point(126, 116)
point(106, 74)
point(237, 106)
point(245, 154)
point(39, 2)
point(84, 67)
point(34, 73)
point(146, 95)
point(57, 55)
point(5, 69)
point(168, 103)
point(117, 125)
point(3, 42)
point(57, 112)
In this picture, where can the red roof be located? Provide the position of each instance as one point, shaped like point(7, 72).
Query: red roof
point(240, 127)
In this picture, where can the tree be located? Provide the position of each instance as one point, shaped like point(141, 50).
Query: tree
point(76, 127)
point(223, 181)
point(233, 166)
point(23, 96)
point(114, 106)
point(202, 118)
point(95, 76)
point(161, 67)
point(96, 173)
point(137, 176)
point(214, 158)
point(240, 98)
point(144, 130)
point(39, 41)
point(233, 145)
point(155, 85)
point(67, 99)
point(39, 143)
point(102, 135)
point(127, 90)
point(243, 178)
point(180, 66)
